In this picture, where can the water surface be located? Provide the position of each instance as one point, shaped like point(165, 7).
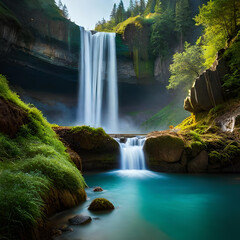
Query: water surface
point(158, 206)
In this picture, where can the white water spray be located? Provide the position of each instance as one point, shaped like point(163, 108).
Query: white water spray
point(132, 154)
point(98, 93)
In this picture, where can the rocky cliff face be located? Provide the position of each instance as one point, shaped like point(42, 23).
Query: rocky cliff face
point(207, 91)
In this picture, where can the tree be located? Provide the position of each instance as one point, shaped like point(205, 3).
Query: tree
point(183, 18)
point(150, 8)
point(120, 15)
point(136, 10)
point(131, 8)
point(163, 34)
point(186, 67)
point(220, 20)
point(65, 11)
point(158, 7)
point(60, 5)
point(114, 11)
point(142, 7)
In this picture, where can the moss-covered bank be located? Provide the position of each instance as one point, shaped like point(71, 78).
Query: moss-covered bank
point(211, 143)
point(37, 176)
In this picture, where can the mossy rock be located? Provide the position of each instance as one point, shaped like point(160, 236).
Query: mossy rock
point(100, 204)
point(86, 138)
point(197, 147)
point(166, 148)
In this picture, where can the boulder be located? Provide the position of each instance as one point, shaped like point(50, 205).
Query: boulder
point(80, 220)
point(12, 117)
point(100, 204)
point(199, 164)
point(97, 150)
point(165, 147)
point(97, 189)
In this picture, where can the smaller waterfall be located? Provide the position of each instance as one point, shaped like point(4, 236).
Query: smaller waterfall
point(132, 155)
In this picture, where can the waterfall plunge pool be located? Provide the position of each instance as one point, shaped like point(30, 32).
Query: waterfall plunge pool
point(156, 206)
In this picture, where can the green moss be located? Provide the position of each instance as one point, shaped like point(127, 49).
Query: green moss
point(94, 131)
point(100, 204)
point(30, 165)
point(226, 156)
point(197, 147)
point(232, 149)
point(195, 136)
point(214, 157)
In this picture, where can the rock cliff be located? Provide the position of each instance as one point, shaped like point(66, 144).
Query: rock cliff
point(207, 91)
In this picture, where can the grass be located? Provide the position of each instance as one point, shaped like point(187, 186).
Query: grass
point(172, 114)
point(31, 164)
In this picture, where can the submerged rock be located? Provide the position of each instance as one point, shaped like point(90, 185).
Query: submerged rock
point(97, 189)
point(100, 204)
point(80, 220)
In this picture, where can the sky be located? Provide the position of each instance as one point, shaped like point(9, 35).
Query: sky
point(87, 13)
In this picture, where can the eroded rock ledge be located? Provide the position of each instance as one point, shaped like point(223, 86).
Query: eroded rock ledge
point(98, 151)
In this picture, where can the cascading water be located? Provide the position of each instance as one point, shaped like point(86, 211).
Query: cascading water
point(98, 94)
point(132, 155)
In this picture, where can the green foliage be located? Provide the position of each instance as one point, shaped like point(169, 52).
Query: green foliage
point(137, 21)
point(150, 8)
point(30, 165)
point(220, 19)
point(232, 80)
point(163, 36)
point(186, 67)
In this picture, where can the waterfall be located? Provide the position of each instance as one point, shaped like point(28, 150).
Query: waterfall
point(98, 90)
point(132, 155)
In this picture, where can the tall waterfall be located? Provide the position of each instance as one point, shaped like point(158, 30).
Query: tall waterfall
point(132, 155)
point(98, 90)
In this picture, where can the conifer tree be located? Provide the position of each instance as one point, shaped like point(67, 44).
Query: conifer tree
point(142, 6)
point(136, 8)
point(150, 8)
point(158, 7)
point(131, 8)
point(60, 5)
point(120, 15)
point(114, 12)
point(65, 11)
point(183, 18)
